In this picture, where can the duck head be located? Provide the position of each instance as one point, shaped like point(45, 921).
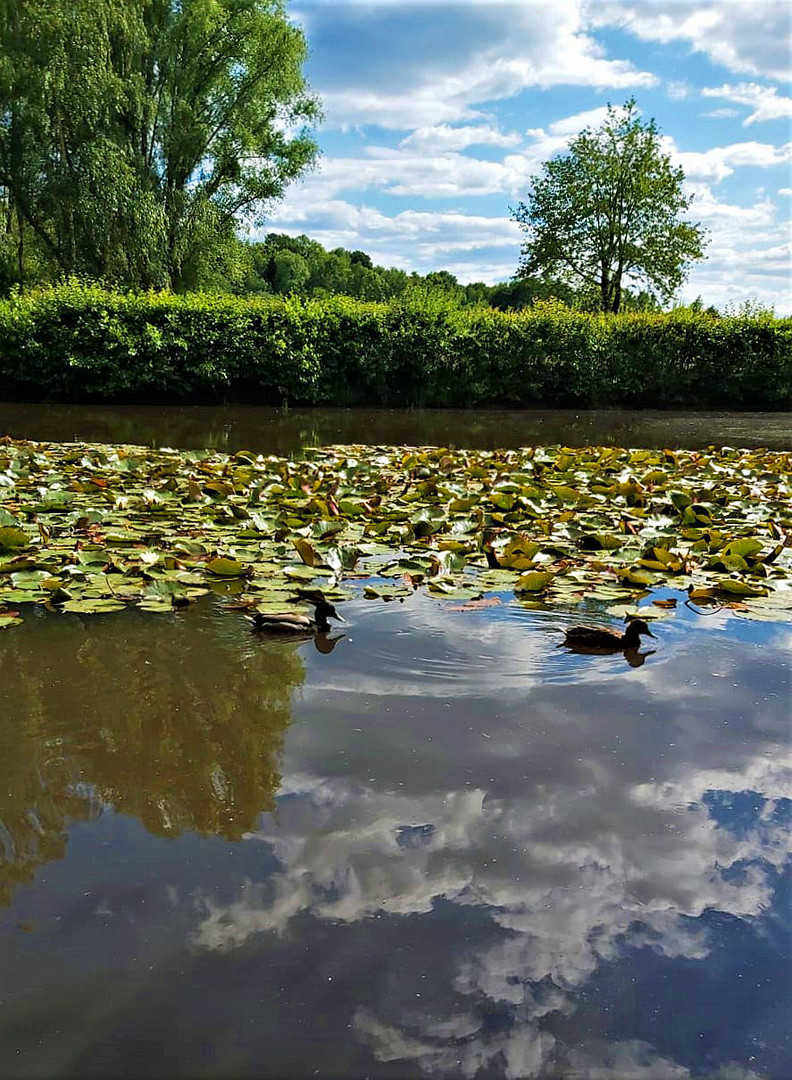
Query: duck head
point(324, 611)
point(635, 628)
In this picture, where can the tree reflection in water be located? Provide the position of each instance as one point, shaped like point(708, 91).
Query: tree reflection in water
point(170, 719)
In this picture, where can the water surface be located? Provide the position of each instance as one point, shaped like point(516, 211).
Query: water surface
point(278, 431)
point(445, 848)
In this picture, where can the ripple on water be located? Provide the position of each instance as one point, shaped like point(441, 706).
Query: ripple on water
point(424, 646)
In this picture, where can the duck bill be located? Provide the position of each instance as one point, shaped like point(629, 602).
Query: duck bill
point(649, 632)
point(339, 617)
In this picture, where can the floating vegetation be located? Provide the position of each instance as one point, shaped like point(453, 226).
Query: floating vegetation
point(92, 528)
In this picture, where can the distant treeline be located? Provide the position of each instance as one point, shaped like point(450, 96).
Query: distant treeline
point(76, 342)
point(296, 265)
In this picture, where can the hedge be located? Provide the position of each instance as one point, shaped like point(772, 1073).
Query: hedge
point(81, 343)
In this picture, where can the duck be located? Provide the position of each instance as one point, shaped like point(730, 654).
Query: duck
point(290, 622)
point(597, 639)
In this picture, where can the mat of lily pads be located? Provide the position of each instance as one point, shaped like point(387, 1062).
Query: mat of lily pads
point(93, 528)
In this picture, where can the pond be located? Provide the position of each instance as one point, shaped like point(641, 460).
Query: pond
point(286, 431)
point(440, 845)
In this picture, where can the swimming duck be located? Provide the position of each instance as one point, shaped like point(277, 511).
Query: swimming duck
point(289, 622)
point(596, 639)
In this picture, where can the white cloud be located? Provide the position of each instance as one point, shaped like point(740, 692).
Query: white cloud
point(442, 137)
point(764, 101)
point(467, 245)
point(751, 39)
point(678, 89)
point(490, 54)
point(725, 113)
point(719, 162)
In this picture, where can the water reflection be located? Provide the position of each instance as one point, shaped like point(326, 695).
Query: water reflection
point(487, 858)
point(278, 431)
point(177, 721)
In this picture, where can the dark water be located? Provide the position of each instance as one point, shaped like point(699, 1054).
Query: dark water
point(277, 431)
point(446, 848)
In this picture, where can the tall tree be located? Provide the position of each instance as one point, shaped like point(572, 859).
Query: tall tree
point(608, 211)
point(135, 135)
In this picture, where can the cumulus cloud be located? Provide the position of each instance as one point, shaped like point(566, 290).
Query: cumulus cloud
point(719, 162)
point(489, 52)
point(472, 246)
point(751, 39)
point(764, 102)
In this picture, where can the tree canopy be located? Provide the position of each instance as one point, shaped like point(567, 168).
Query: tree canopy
point(135, 134)
point(608, 211)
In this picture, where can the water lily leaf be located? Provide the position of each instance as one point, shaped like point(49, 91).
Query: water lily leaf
point(7, 518)
point(160, 606)
point(12, 539)
point(601, 542)
point(306, 573)
point(306, 551)
point(629, 576)
point(745, 547)
point(9, 618)
point(475, 605)
point(93, 605)
point(224, 567)
point(350, 508)
point(702, 593)
point(535, 581)
point(739, 588)
point(459, 593)
point(386, 592)
point(30, 578)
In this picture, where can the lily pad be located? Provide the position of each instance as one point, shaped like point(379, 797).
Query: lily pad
point(224, 567)
point(93, 606)
point(12, 539)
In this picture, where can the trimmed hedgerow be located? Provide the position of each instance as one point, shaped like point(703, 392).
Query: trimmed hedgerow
point(77, 342)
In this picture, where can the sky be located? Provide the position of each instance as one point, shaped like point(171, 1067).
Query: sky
point(437, 115)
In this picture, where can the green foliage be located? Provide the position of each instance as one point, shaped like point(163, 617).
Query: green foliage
point(137, 132)
point(75, 341)
point(301, 266)
point(609, 210)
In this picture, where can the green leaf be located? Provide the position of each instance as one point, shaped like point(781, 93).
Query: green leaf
point(306, 551)
point(224, 567)
point(93, 606)
point(535, 581)
point(12, 539)
point(739, 588)
point(745, 547)
point(386, 592)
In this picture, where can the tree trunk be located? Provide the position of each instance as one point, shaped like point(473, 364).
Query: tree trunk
point(605, 290)
point(616, 295)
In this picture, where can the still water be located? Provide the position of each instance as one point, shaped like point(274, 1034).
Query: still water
point(279, 431)
point(445, 848)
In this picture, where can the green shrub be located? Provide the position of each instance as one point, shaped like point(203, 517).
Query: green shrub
point(82, 342)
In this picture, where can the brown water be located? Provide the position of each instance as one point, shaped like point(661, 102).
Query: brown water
point(444, 848)
point(279, 431)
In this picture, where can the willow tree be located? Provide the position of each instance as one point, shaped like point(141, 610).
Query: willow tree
point(608, 212)
point(136, 134)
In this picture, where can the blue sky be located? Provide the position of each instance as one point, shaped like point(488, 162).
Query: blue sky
point(438, 114)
